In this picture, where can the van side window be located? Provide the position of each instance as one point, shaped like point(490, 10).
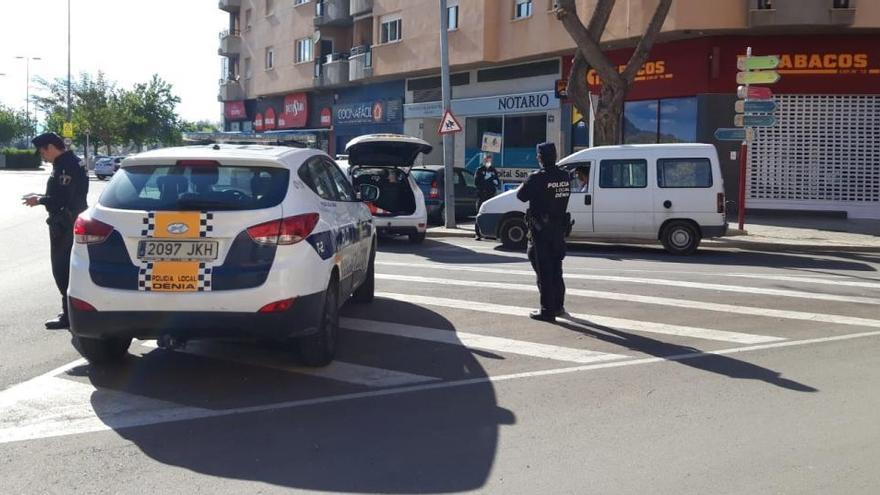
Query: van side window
point(684, 172)
point(618, 174)
point(580, 177)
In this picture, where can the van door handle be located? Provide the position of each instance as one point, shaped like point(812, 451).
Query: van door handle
point(667, 204)
point(588, 199)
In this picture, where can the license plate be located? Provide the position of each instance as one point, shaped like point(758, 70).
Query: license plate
point(154, 250)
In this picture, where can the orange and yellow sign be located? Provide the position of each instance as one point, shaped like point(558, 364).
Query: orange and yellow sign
point(652, 71)
point(825, 63)
point(175, 276)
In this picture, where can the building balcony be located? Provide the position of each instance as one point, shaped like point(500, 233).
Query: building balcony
point(801, 13)
point(230, 90)
point(361, 7)
point(230, 44)
point(360, 63)
point(333, 73)
point(332, 13)
point(231, 6)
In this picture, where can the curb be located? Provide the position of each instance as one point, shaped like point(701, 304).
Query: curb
point(463, 234)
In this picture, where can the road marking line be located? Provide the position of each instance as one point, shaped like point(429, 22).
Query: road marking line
point(339, 371)
point(663, 301)
point(650, 281)
point(95, 424)
point(607, 321)
point(476, 341)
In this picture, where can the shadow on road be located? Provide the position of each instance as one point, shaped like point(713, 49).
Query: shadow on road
point(330, 436)
point(443, 252)
point(688, 356)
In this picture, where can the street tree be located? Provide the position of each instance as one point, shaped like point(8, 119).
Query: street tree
point(14, 125)
point(149, 113)
point(615, 83)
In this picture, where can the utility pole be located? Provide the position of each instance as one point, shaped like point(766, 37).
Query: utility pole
point(448, 139)
point(27, 90)
point(68, 60)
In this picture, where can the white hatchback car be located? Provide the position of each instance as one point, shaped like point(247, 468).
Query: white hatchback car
point(670, 192)
point(106, 167)
point(385, 161)
point(221, 241)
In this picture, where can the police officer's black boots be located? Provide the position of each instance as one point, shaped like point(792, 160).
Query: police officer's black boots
point(59, 323)
point(543, 316)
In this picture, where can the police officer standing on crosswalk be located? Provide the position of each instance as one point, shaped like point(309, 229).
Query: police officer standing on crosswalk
point(65, 198)
point(547, 192)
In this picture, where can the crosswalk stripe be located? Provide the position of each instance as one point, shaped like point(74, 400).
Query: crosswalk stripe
point(618, 323)
point(663, 301)
point(650, 281)
point(477, 341)
point(807, 280)
point(340, 371)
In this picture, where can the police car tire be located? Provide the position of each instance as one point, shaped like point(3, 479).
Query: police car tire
point(681, 238)
point(319, 348)
point(417, 238)
point(367, 290)
point(513, 233)
point(102, 351)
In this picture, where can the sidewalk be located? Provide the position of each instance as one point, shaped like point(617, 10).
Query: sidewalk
point(767, 233)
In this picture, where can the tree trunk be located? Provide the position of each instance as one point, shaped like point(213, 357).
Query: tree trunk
point(609, 115)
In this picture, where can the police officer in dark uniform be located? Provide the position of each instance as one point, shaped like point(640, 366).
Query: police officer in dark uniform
point(547, 192)
point(65, 198)
point(487, 181)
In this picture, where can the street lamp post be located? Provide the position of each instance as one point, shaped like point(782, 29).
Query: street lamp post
point(27, 90)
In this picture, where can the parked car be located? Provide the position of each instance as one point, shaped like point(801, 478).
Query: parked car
point(670, 192)
point(431, 180)
point(106, 167)
point(220, 241)
point(385, 160)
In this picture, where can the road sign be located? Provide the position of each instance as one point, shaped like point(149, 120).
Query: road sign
point(734, 134)
point(754, 120)
point(757, 77)
point(67, 130)
point(491, 142)
point(449, 124)
point(755, 106)
point(753, 93)
point(757, 63)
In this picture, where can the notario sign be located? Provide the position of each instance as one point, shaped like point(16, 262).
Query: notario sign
point(533, 101)
point(295, 113)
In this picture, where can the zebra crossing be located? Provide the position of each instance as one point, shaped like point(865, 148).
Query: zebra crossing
point(439, 325)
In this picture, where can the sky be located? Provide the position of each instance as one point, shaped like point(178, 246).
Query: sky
point(129, 40)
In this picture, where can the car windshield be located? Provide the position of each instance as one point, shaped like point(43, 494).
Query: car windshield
point(193, 188)
point(423, 176)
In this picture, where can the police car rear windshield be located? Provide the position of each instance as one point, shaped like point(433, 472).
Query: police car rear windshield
point(196, 188)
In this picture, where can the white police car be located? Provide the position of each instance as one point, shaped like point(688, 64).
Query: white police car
point(221, 241)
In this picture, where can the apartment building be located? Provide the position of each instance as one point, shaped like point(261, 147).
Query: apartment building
point(325, 71)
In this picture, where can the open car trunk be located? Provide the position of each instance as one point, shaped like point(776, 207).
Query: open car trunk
point(396, 196)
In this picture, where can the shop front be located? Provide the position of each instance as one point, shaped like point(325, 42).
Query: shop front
point(287, 119)
point(823, 152)
point(371, 109)
point(236, 116)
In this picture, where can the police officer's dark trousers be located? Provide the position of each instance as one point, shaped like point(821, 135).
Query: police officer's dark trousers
point(61, 243)
point(546, 252)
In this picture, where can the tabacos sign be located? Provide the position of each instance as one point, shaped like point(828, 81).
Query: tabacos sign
point(295, 111)
point(825, 63)
point(653, 70)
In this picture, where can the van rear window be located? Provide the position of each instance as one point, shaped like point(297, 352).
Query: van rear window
point(196, 188)
point(684, 172)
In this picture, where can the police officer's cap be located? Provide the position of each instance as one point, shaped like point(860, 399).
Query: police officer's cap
point(547, 151)
point(48, 138)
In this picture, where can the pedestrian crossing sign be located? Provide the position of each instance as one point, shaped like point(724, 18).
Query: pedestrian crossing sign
point(67, 130)
point(449, 124)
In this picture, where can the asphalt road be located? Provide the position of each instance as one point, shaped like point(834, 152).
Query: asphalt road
point(726, 372)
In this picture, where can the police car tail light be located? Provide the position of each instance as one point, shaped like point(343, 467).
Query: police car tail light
point(80, 305)
point(87, 230)
point(435, 191)
point(286, 231)
point(278, 306)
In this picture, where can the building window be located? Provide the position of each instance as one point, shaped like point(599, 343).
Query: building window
point(841, 4)
point(300, 2)
point(672, 120)
point(765, 4)
point(392, 29)
point(522, 9)
point(520, 135)
point(452, 14)
point(247, 19)
point(270, 58)
point(303, 51)
point(270, 7)
point(248, 72)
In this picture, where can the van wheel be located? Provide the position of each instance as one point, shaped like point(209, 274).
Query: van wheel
point(101, 351)
point(513, 233)
point(367, 291)
point(319, 349)
point(680, 238)
point(417, 238)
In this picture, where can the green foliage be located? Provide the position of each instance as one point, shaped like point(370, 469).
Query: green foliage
point(13, 125)
point(21, 158)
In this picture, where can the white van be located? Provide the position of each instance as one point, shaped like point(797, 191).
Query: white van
point(670, 192)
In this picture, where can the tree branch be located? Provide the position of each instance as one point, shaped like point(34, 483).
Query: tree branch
point(643, 49)
point(586, 40)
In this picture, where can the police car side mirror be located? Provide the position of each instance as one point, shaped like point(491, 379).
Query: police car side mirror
point(368, 192)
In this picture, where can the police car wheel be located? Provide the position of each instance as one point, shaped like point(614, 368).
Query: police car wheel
point(102, 351)
point(319, 349)
point(513, 233)
point(367, 291)
point(417, 238)
point(680, 238)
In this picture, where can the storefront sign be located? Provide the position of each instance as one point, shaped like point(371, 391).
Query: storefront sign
point(269, 119)
point(540, 101)
point(234, 110)
point(326, 117)
point(295, 113)
point(514, 174)
point(368, 112)
point(258, 122)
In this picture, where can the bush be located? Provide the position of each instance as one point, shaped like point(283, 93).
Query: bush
point(20, 159)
